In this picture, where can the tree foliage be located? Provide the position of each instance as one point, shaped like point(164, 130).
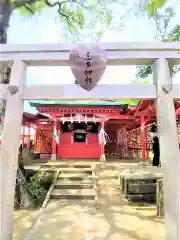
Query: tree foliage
point(135, 101)
point(174, 34)
point(73, 15)
point(153, 5)
point(162, 20)
point(38, 185)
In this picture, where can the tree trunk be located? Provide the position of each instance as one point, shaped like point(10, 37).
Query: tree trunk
point(5, 14)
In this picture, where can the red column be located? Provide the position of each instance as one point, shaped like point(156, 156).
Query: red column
point(102, 157)
point(118, 140)
point(54, 146)
point(23, 132)
point(125, 141)
point(28, 137)
point(35, 128)
point(143, 147)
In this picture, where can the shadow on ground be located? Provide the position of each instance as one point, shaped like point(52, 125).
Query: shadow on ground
point(114, 219)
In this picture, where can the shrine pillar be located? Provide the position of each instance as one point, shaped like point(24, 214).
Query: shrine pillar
point(125, 141)
point(143, 142)
point(119, 141)
point(54, 142)
point(169, 147)
point(23, 133)
point(34, 136)
point(102, 142)
point(28, 136)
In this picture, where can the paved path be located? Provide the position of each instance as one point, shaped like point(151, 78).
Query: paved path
point(113, 220)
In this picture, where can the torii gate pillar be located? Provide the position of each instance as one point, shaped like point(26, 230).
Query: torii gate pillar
point(169, 148)
point(10, 148)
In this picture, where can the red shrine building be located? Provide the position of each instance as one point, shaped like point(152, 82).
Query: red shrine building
point(92, 130)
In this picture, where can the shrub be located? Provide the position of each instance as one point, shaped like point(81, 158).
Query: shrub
point(39, 184)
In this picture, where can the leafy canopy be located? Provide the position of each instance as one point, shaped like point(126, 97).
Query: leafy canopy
point(153, 5)
point(74, 15)
point(162, 20)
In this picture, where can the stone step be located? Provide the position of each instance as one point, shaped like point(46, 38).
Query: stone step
point(73, 194)
point(76, 170)
point(67, 165)
point(86, 184)
point(74, 177)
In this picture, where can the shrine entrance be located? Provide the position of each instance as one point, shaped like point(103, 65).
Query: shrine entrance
point(161, 91)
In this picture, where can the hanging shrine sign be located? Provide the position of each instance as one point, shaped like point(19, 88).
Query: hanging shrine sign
point(88, 64)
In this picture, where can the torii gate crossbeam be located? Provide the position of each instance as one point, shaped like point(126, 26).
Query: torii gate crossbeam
point(157, 54)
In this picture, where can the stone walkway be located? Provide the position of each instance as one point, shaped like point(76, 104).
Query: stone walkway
point(23, 220)
point(113, 220)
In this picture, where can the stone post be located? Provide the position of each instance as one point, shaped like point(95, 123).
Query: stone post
point(10, 148)
point(169, 148)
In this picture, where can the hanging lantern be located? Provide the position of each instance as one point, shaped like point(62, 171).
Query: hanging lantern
point(88, 64)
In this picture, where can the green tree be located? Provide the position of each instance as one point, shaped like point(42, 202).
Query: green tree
point(71, 13)
point(153, 5)
point(135, 101)
point(162, 20)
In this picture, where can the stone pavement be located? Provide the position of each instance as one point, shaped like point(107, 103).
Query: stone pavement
point(23, 220)
point(114, 219)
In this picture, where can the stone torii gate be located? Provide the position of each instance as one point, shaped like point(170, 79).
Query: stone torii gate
point(162, 91)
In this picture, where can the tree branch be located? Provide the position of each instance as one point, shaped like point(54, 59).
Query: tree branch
point(158, 28)
point(57, 3)
point(24, 3)
point(69, 18)
point(28, 8)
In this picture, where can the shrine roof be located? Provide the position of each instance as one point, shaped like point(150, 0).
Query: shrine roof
point(29, 117)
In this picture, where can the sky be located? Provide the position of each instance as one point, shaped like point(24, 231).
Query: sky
point(45, 29)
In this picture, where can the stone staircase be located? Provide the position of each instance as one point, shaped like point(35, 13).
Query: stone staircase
point(75, 182)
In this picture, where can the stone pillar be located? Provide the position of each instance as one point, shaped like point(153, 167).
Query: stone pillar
point(169, 148)
point(10, 144)
point(102, 144)
point(54, 143)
